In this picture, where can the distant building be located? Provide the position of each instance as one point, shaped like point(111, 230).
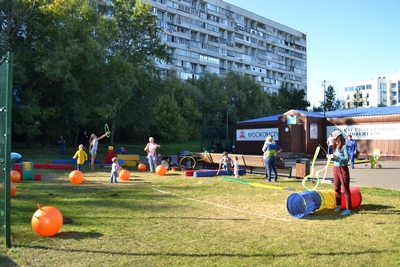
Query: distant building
point(217, 37)
point(382, 91)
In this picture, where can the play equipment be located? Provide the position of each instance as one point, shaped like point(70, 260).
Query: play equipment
point(110, 154)
point(69, 161)
point(76, 177)
point(208, 173)
point(124, 175)
point(161, 170)
point(142, 167)
point(25, 169)
point(301, 204)
point(120, 163)
point(256, 184)
point(356, 198)
point(13, 189)
point(54, 166)
point(47, 221)
point(374, 160)
point(130, 160)
point(15, 176)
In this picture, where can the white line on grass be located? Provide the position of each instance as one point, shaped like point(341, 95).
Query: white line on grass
point(222, 206)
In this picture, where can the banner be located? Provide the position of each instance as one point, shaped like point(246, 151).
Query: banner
point(256, 134)
point(368, 131)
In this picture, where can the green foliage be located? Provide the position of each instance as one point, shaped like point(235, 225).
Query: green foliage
point(330, 101)
point(78, 67)
point(287, 99)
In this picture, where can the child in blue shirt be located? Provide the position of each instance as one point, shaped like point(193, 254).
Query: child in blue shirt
point(114, 170)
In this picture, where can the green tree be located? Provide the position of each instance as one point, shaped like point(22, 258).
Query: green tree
point(330, 101)
point(56, 63)
point(287, 99)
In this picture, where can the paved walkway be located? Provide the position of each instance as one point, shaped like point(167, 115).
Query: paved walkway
point(388, 177)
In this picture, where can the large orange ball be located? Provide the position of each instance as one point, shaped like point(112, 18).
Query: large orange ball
point(13, 189)
point(142, 167)
point(47, 221)
point(124, 175)
point(76, 177)
point(15, 176)
point(161, 170)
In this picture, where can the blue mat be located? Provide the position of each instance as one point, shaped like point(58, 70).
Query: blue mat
point(208, 173)
point(71, 161)
point(120, 162)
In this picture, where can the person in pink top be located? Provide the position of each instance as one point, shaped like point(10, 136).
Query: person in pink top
point(152, 154)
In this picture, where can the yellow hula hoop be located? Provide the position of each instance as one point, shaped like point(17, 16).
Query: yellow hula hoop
point(188, 157)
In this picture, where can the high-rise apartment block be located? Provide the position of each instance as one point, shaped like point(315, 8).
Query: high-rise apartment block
point(382, 91)
point(217, 37)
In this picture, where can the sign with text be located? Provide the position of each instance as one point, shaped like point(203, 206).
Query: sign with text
point(256, 134)
point(369, 131)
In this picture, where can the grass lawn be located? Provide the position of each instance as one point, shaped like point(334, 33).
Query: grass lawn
point(174, 220)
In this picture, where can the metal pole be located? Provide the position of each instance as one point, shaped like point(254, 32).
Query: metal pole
point(227, 136)
point(324, 99)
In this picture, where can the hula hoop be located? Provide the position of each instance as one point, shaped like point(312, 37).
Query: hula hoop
point(107, 130)
point(188, 157)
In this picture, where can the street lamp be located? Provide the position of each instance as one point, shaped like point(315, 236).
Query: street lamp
point(324, 85)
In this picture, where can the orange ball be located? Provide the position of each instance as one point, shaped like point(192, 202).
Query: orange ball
point(142, 167)
point(15, 176)
point(13, 189)
point(47, 221)
point(161, 170)
point(76, 177)
point(124, 175)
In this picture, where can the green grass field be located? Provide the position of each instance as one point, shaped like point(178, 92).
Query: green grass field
point(174, 220)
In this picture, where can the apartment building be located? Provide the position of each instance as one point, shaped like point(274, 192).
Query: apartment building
point(382, 91)
point(217, 37)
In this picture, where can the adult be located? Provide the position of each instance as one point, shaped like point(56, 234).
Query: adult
point(270, 150)
point(341, 173)
point(352, 148)
point(85, 139)
point(329, 142)
point(150, 148)
point(61, 143)
point(94, 142)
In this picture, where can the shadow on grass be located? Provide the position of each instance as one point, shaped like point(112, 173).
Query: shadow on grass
point(206, 254)
point(7, 262)
point(77, 235)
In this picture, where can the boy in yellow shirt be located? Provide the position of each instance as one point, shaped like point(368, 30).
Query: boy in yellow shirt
point(81, 156)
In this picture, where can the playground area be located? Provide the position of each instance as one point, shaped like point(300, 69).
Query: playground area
point(177, 220)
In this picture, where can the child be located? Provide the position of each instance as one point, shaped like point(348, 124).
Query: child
point(114, 170)
point(341, 174)
point(226, 162)
point(80, 157)
point(236, 166)
point(94, 142)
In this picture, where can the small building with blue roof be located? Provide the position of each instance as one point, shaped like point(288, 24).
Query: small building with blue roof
point(301, 132)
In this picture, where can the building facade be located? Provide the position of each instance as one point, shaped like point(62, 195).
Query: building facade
point(303, 131)
point(217, 37)
point(382, 91)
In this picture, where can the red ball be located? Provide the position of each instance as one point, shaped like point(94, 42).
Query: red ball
point(15, 176)
point(124, 175)
point(161, 170)
point(142, 167)
point(13, 189)
point(76, 177)
point(47, 221)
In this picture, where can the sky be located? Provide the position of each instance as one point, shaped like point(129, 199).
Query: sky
point(347, 40)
